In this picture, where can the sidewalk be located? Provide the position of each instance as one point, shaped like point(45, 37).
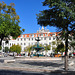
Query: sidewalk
point(35, 64)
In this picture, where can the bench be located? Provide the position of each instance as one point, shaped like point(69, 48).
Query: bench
point(9, 61)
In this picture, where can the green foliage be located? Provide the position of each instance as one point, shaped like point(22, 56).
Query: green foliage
point(15, 48)
point(73, 44)
point(9, 21)
point(53, 48)
point(47, 47)
point(61, 14)
point(6, 49)
point(29, 48)
point(0, 47)
point(53, 42)
point(60, 48)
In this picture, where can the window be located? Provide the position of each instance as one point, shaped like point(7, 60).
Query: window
point(21, 43)
point(45, 34)
point(49, 38)
point(38, 34)
point(53, 34)
point(21, 35)
point(53, 38)
point(41, 34)
point(45, 44)
point(41, 38)
point(29, 44)
point(17, 39)
point(3, 44)
point(32, 38)
point(35, 35)
point(29, 39)
point(24, 43)
point(45, 38)
point(29, 35)
point(49, 43)
point(24, 39)
point(21, 39)
point(25, 35)
point(24, 48)
point(32, 35)
point(17, 43)
point(10, 44)
point(50, 34)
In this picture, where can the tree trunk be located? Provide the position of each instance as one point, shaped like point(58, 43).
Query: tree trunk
point(1, 41)
point(66, 51)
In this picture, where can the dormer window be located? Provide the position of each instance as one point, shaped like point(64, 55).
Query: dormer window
point(21, 35)
point(29, 35)
point(25, 35)
point(35, 35)
point(50, 34)
point(53, 34)
point(41, 34)
point(45, 34)
point(38, 34)
point(32, 35)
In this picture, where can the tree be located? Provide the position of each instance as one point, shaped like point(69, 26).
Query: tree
point(9, 22)
point(0, 47)
point(6, 49)
point(29, 48)
point(73, 45)
point(61, 14)
point(60, 48)
point(53, 42)
point(48, 47)
point(15, 48)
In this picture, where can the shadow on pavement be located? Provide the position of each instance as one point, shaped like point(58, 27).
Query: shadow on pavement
point(62, 73)
point(12, 72)
point(8, 72)
point(45, 64)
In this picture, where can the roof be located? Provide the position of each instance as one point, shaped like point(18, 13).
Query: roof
point(38, 34)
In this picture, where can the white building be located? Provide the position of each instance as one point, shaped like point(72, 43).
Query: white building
point(25, 40)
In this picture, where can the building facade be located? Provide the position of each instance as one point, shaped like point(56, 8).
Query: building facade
point(25, 40)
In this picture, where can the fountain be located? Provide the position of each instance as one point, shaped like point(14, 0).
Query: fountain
point(38, 48)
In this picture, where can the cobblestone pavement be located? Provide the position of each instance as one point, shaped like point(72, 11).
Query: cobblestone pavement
point(39, 66)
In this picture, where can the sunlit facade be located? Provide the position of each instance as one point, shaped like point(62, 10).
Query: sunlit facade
point(25, 40)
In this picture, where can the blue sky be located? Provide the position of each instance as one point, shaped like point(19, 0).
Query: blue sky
point(27, 10)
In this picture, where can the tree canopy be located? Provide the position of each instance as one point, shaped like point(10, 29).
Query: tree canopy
point(9, 21)
point(60, 14)
point(0, 47)
point(60, 48)
point(15, 48)
point(7, 49)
